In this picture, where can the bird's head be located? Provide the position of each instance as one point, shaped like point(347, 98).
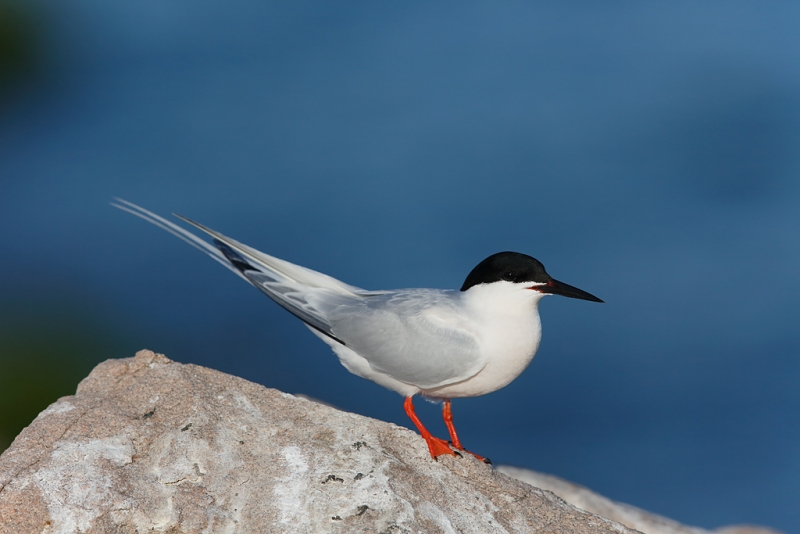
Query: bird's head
point(512, 272)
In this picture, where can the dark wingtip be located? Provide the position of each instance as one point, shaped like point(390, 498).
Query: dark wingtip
point(236, 259)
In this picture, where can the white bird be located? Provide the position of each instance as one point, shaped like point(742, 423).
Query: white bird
point(441, 344)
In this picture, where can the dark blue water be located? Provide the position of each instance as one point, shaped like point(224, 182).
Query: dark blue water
point(646, 153)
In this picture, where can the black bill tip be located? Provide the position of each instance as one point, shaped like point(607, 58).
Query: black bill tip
point(554, 287)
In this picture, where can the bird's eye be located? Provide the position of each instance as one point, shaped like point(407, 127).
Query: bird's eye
point(508, 275)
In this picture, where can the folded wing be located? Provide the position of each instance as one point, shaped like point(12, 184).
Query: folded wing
point(416, 336)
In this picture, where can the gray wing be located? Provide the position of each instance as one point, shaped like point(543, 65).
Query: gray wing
point(304, 292)
point(307, 294)
point(416, 336)
point(307, 304)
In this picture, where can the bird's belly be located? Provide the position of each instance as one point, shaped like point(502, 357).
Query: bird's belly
point(507, 357)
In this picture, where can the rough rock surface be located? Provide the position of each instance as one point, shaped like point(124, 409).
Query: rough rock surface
point(630, 516)
point(149, 445)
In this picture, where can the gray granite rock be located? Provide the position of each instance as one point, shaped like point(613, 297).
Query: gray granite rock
point(149, 445)
point(630, 516)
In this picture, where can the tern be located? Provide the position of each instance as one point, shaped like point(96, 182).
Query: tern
point(441, 344)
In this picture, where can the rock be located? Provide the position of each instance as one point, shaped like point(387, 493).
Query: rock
point(586, 499)
point(630, 516)
point(745, 529)
point(149, 445)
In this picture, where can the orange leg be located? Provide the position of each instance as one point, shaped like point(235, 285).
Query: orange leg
point(436, 446)
point(447, 414)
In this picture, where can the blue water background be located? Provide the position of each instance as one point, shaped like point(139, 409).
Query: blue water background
point(644, 152)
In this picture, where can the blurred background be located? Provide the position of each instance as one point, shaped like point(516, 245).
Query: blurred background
point(645, 152)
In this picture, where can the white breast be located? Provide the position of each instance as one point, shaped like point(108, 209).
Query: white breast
point(507, 322)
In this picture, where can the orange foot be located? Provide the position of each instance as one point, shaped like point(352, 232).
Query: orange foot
point(447, 414)
point(438, 447)
point(478, 456)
